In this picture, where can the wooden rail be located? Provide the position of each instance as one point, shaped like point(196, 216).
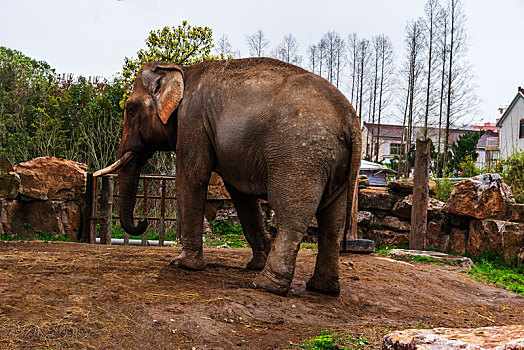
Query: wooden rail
point(99, 199)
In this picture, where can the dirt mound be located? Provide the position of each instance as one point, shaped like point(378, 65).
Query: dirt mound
point(68, 295)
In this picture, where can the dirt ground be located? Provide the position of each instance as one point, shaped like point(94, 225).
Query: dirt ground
point(78, 296)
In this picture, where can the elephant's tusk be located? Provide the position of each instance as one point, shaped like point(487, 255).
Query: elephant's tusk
point(116, 165)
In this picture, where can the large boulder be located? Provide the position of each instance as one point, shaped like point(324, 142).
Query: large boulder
point(24, 219)
point(405, 186)
point(386, 237)
point(483, 196)
point(501, 236)
point(376, 198)
point(502, 337)
point(51, 178)
point(402, 208)
point(9, 180)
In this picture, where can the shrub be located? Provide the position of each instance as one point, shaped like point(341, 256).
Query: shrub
point(513, 173)
point(444, 188)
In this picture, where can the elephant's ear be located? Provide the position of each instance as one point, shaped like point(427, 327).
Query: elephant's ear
point(166, 84)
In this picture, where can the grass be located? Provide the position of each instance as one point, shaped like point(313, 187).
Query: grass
point(491, 267)
point(327, 340)
point(384, 250)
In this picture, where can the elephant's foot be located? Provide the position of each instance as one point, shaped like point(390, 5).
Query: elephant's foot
point(324, 285)
point(271, 283)
point(189, 261)
point(258, 262)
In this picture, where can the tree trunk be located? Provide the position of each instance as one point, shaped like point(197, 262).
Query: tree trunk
point(419, 208)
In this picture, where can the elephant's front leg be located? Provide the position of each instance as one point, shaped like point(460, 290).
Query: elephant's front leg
point(192, 185)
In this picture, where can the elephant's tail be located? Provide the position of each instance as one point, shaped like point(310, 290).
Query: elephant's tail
point(354, 143)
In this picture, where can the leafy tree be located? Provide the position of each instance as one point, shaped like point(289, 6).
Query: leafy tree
point(182, 45)
point(464, 149)
point(514, 173)
point(28, 102)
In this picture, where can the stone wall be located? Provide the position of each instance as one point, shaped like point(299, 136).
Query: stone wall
point(481, 215)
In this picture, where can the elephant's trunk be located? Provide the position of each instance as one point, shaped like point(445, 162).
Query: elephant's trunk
point(128, 177)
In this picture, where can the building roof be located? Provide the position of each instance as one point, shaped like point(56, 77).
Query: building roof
point(395, 131)
point(520, 93)
point(484, 138)
point(370, 166)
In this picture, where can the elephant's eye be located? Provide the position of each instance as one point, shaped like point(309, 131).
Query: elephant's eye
point(131, 111)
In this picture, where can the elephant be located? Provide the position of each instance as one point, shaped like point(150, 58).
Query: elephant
point(272, 131)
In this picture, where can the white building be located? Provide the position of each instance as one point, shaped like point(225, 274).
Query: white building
point(512, 127)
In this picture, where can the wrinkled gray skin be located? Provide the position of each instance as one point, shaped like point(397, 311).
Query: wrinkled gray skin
point(271, 130)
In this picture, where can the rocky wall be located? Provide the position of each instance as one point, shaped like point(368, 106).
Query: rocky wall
point(480, 215)
point(42, 196)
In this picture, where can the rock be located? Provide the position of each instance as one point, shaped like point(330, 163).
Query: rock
point(24, 219)
point(359, 246)
point(436, 256)
point(502, 338)
point(405, 186)
point(52, 178)
point(216, 188)
point(386, 237)
point(433, 234)
point(229, 215)
point(9, 180)
point(395, 223)
point(402, 208)
point(501, 236)
point(365, 218)
point(458, 240)
point(517, 212)
point(483, 196)
point(207, 227)
point(376, 198)
point(363, 181)
point(520, 258)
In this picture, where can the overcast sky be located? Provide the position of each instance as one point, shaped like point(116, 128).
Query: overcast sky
point(92, 37)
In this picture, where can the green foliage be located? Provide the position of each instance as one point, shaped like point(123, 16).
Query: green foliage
point(333, 341)
point(468, 167)
point(423, 259)
point(44, 114)
point(513, 174)
point(444, 188)
point(184, 45)
point(226, 234)
point(491, 267)
point(464, 150)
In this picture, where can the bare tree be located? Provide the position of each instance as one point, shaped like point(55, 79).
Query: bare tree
point(442, 50)
point(461, 97)
point(414, 46)
point(224, 48)
point(353, 65)
point(257, 43)
point(287, 50)
point(312, 53)
point(431, 10)
point(386, 80)
point(334, 47)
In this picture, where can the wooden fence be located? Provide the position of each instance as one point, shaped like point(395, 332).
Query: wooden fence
point(152, 196)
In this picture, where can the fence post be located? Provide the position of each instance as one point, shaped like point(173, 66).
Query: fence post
point(94, 212)
point(106, 209)
point(144, 208)
point(419, 208)
point(162, 232)
point(87, 209)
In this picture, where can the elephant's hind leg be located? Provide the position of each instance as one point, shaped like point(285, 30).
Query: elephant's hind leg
point(331, 220)
point(250, 215)
point(294, 208)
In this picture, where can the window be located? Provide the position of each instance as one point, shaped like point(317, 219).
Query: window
point(396, 149)
point(521, 129)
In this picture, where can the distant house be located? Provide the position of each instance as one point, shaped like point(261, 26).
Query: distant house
point(376, 173)
point(488, 148)
point(512, 126)
point(390, 139)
